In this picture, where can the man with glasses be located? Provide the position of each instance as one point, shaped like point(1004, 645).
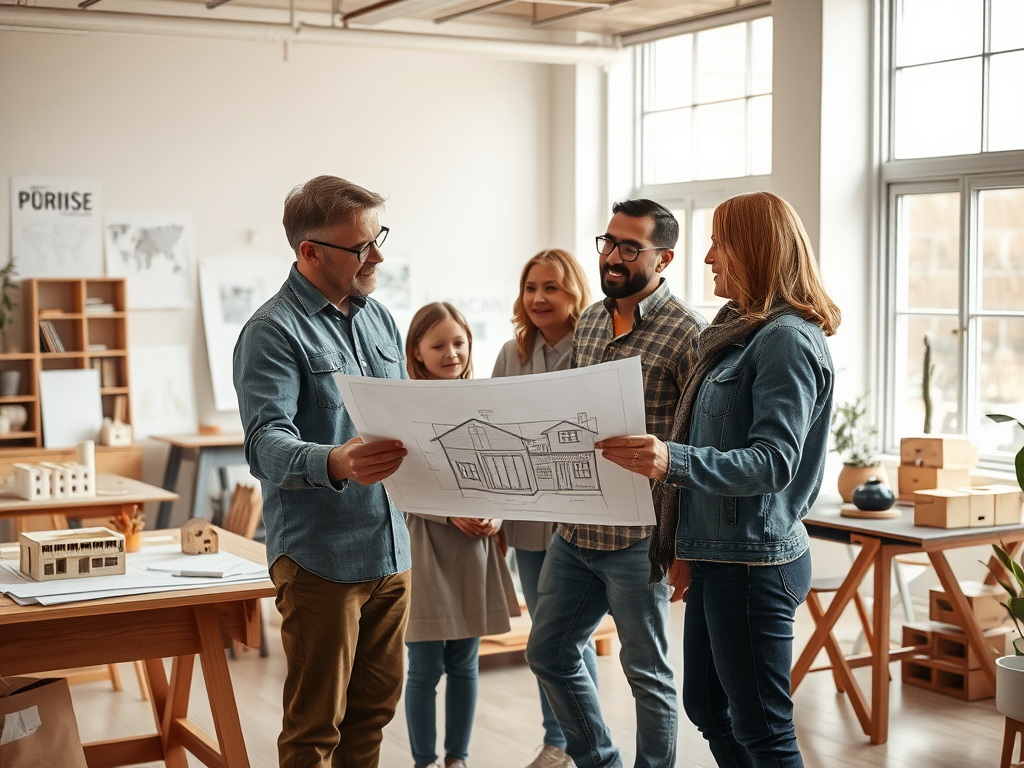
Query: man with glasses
point(337, 547)
point(591, 570)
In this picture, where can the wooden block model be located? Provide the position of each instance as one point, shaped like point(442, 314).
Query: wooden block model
point(71, 554)
point(983, 600)
point(913, 479)
point(941, 507)
point(199, 537)
point(945, 452)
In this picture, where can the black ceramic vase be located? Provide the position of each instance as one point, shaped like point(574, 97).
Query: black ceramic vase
point(873, 496)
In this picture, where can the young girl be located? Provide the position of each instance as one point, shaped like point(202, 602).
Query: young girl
point(461, 588)
point(553, 293)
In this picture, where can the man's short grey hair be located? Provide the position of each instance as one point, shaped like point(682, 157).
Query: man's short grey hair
point(322, 203)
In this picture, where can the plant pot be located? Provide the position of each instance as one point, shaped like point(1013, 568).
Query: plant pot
point(1010, 686)
point(850, 477)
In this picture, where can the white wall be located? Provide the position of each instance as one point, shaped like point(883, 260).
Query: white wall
point(460, 145)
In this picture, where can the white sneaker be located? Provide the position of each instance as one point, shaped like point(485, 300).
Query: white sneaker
point(552, 757)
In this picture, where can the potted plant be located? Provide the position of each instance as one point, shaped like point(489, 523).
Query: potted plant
point(1010, 669)
point(7, 305)
point(853, 440)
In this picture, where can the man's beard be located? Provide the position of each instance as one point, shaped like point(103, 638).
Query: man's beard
point(634, 283)
point(364, 285)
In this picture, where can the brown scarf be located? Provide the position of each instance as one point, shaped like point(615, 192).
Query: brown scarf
point(729, 327)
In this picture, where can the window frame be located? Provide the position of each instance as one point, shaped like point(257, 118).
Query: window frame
point(968, 175)
point(688, 196)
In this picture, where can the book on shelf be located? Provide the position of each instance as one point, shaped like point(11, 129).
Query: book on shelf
point(107, 367)
point(99, 309)
point(49, 337)
point(97, 347)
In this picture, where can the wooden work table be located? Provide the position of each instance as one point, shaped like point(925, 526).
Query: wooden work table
point(880, 541)
point(178, 625)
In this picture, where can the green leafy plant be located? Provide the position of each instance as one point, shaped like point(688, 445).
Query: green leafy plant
point(1014, 587)
point(852, 439)
point(1018, 461)
point(7, 305)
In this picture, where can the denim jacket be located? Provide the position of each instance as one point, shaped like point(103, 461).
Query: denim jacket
point(293, 415)
point(758, 439)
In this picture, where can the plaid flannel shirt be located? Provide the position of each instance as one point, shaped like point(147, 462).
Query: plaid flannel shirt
point(664, 335)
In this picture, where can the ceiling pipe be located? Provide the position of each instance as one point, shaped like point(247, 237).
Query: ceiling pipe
point(28, 18)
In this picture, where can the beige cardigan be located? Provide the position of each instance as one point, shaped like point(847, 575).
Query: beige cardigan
point(461, 586)
point(532, 536)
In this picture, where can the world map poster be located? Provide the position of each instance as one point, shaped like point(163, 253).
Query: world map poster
point(153, 252)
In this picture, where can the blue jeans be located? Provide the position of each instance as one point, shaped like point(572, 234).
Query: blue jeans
point(458, 659)
point(737, 656)
point(529, 563)
point(577, 588)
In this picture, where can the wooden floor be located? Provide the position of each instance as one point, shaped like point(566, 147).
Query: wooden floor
point(926, 729)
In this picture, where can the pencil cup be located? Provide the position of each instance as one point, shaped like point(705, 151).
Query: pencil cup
point(132, 542)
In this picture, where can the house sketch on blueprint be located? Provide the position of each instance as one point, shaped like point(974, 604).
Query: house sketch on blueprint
point(524, 457)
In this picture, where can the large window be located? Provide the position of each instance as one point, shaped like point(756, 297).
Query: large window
point(704, 128)
point(707, 104)
point(957, 79)
point(953, 315)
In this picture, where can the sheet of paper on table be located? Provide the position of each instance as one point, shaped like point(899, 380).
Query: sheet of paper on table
point(516, 448)
point(154, 569)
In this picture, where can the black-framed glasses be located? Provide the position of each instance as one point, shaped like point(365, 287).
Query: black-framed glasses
point(361, 253)
point(627, 251)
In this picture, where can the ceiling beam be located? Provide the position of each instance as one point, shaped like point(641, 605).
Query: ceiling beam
point(578, 12)
point(478, 9)
point(385, 10)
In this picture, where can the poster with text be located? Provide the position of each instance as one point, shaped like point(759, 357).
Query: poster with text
point(153, 252)
point(56, 226)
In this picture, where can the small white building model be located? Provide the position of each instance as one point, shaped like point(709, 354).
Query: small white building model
point(71, 554)
point(199, 537)
point(48, 480)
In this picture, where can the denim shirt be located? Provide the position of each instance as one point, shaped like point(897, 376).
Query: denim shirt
point(284, 366)
point(758, 440)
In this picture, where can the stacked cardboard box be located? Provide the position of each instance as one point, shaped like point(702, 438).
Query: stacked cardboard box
point(935, 462)
point(945, 662)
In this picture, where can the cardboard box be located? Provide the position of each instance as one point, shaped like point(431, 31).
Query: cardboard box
point(983, 600)
point(1007, 502)
point(38, 724)
point(923, 478)
point(1000, 504)
point(942, 508)
point(945, 452)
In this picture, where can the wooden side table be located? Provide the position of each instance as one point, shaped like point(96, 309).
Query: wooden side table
point(206, 453)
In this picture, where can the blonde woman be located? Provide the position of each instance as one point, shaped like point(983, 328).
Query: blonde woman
point(553, 293)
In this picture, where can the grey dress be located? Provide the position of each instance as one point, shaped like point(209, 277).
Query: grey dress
point(531, 536)
point(461, 586)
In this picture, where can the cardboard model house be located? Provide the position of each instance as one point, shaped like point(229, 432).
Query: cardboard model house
point(51, 555)
point(199, 537)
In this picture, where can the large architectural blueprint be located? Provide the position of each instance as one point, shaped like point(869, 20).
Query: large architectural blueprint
point(518, 448)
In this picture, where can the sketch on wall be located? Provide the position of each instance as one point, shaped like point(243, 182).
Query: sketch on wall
point(525, 457)
point(163, 391)
point(517, 448)
point(55, 226)
point(232, 286)
point(153, 252)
